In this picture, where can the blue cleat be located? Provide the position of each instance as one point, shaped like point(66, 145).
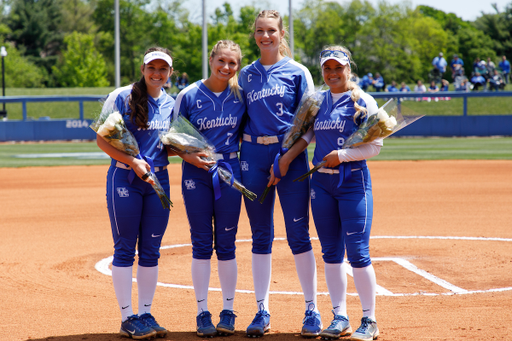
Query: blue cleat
point(134, 328)
point(367, 331)
point(312, 323)
point(150, 322)
point(205, 326)
point(226, 325)
point(260, 325)
point(339, 327)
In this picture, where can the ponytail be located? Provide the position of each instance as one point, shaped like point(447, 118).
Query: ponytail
point(138, 100)
point(138, 103)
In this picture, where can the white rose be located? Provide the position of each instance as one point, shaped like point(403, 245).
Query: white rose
point(382, 115)
point(390, 123)
point(102, 131)
point(109, 124)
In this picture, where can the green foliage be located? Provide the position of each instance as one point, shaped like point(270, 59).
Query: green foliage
point(82, 65)
point(20, 72)
point(499, 27)
point(398, 41)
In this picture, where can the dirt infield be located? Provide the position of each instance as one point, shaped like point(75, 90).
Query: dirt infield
point(455, 285)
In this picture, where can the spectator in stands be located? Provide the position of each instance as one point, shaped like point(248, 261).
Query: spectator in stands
point(490, 67)
point(404, 87)
point(444, 85)
point(182, 81)
point(365, 81)
point(392, 87)
point(463, 86)
point(439, 64)
point(457, 66)
point(420, 87)
point(433, 87)
point(505, 68)
point(378, 82)
point(478, 81)
point(496, 81)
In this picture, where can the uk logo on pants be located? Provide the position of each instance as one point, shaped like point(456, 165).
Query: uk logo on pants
point(123, 192)
point(190, 184)
point(313, 194)
point(244, 166)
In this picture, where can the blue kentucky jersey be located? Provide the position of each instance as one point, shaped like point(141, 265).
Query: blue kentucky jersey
point(159, 118)
point(272, 96)
point(217, 118)
point(335, 122)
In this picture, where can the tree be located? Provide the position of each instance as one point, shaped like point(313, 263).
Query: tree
point(499, 28)
point(81, 65)
point(20, 72)
point(34, 26)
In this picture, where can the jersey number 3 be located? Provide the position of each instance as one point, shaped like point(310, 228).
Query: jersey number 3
point(280, 106)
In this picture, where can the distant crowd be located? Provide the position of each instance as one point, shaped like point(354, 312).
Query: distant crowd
point(484, 75)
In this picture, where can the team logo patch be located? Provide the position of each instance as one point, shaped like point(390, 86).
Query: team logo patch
point(313, 194)
point(244, 166)
point(190, 184)
point(123, 192)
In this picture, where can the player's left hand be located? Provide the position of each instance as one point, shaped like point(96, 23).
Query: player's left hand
point(143, 170)
point(332, 160)
point(283, 168)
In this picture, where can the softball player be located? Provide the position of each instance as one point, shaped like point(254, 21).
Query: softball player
point(274, 85)
point(136, 214)
point(341, 194)
point(216, 107)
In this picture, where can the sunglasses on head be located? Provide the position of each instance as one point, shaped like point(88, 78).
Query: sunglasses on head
point(336, 54)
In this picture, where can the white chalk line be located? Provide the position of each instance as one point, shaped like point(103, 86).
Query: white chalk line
point(103, 266)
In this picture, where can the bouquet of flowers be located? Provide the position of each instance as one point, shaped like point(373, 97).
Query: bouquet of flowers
point(111, 127)
point(183, 137)
point(303, 119)
point(388, 120)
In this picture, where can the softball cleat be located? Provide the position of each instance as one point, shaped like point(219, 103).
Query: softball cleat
point(339, 327)
point(367, 331)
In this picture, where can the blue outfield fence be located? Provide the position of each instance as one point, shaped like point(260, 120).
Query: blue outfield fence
point(46, 129)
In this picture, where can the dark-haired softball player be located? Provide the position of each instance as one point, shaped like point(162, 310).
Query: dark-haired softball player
point(215, 106)
point(273, 86)
point(136, 214)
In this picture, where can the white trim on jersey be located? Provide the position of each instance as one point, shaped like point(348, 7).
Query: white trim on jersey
point(256, 68)
point(177, 104)
point(307, 74)
point(225, 99)
point(208, 97)
point(111, 99)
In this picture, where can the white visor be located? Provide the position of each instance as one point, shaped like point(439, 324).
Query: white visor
point(157, 55)
point(339, 56)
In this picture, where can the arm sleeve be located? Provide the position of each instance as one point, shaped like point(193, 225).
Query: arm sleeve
point(308, 136)
point(362, 152)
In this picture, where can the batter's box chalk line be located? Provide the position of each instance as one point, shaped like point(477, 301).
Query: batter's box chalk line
point(103, 266)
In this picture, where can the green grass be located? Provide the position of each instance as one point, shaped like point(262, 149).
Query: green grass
point(11, 154)
point(67, 110)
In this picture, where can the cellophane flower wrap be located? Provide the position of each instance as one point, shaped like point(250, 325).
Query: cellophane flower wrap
point(303, 119)
point(386, 121)
point(184, 137)
point(111, 127)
